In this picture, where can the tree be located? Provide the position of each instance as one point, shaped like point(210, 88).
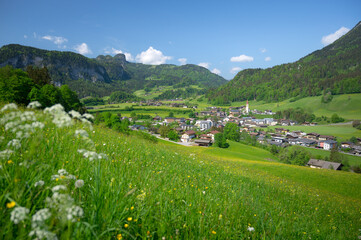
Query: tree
point(171, 114)
point(231, 132)
point(164, 130)
point(336, 156)
point(336, 119)
point(40, 76)
point(220, 141)
point(173, 135)
point(70, 99)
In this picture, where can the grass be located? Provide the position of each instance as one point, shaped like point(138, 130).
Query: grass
point(156, 91)
point(150, 191)
point(342, 132)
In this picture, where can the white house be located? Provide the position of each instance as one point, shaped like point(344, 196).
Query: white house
point(188, 136)
point(204, 124)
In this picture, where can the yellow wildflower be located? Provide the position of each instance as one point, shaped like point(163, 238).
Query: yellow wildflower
point(214, 232)
point(10, 162)
point(126, 225)
point(119, 236)
point(129, 219)
point(10, 204)
point(132, 208)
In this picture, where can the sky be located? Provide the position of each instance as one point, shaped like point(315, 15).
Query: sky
point(223, 36)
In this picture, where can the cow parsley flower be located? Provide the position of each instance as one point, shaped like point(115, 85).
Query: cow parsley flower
point(58, 188)
point(81, 133)
point(75, 114)
point(74, 213)
point(250, 229)
point(6, 154)
point(43, 234)
point(39, 183)
point(88, 116)
point(34, 104)
point(15, 144)
point(19, 214)
point(40, 217)
point(10, 106)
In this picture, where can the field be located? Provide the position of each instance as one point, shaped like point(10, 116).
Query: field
point(156, 91)
point(142, 190)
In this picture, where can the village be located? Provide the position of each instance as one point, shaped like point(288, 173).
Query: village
point(201, 128)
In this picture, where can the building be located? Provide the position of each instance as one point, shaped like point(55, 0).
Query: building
point(329, 144)
point(204, 124)
point(315, 163)
point(188, 136)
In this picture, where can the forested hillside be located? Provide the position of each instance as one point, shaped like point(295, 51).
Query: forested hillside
point(335, 68)
point(105, 74)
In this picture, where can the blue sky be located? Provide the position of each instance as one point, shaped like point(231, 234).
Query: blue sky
point(224, 36)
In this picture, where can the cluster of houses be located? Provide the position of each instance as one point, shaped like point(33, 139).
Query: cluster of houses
point(283, 137)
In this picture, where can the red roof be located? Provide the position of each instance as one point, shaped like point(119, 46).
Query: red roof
point(190, 132)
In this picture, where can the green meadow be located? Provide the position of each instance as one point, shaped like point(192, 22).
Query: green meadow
point(136, 189)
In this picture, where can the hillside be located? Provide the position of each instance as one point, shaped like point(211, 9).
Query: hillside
point(336, 68)
point(70, 180)
point(105, 74)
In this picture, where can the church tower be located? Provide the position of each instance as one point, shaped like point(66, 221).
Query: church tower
point(247, 107)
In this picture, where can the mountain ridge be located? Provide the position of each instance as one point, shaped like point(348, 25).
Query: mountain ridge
point(335, 68)
point(103, 75)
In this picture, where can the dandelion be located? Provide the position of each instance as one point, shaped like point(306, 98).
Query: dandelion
point(214, 232)
point(132, 208)
point(250, 229)
point(10, 204)
point(119, 236)
point(129, 219)
point(10, 162)
point(126, 225)
point(19, 214)
point(39, 183)
point(79, 183)
point(34, 104)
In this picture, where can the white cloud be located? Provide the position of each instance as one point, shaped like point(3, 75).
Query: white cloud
point(56, 40)
point(25, 36)
point(263, 50)
point(267, 59)
point(128, 57)
point(204, 64)
point(152, 56)
point(216, 71)
point(235, 70)
point(83, 49)
point(183, 61)
point(116, 51)
point(242, 58)
point(326, 40)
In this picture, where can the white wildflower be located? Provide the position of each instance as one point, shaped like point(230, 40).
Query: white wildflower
point(19, 214)
point(40, 217)
point(79, 183)
point(22, 135)
point(92, 155)
point(38, 125)
point(39, 183)
point(15, 144)
point(71, 177)
point(43, 234)
point(250, 229)
point(10, 106)
point(82, 133)
point(58, 188)
point(75, 114)
point(34, 104)
point(74, 213)
point(62, 172)
point(88, 116)
point(6, 154)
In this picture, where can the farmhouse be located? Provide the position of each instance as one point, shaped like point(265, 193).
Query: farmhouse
point(329, 144)
point(188, 136)
point(315, 163)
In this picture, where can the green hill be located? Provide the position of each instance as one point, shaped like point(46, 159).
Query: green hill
point(105, 74)
point(335, 68)
point(70, 180)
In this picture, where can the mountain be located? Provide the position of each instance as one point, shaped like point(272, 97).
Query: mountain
point(336, 69)
point(105, 74)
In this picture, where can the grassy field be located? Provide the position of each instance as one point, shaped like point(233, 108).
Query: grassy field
point(142, 190)
point(347, 106)
point(342, 132)
point(156, 91)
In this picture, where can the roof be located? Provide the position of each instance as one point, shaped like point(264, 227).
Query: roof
point(202, 141)
point(324, 164)
point(214, 132)
point(330, 141)
point(190, 132)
